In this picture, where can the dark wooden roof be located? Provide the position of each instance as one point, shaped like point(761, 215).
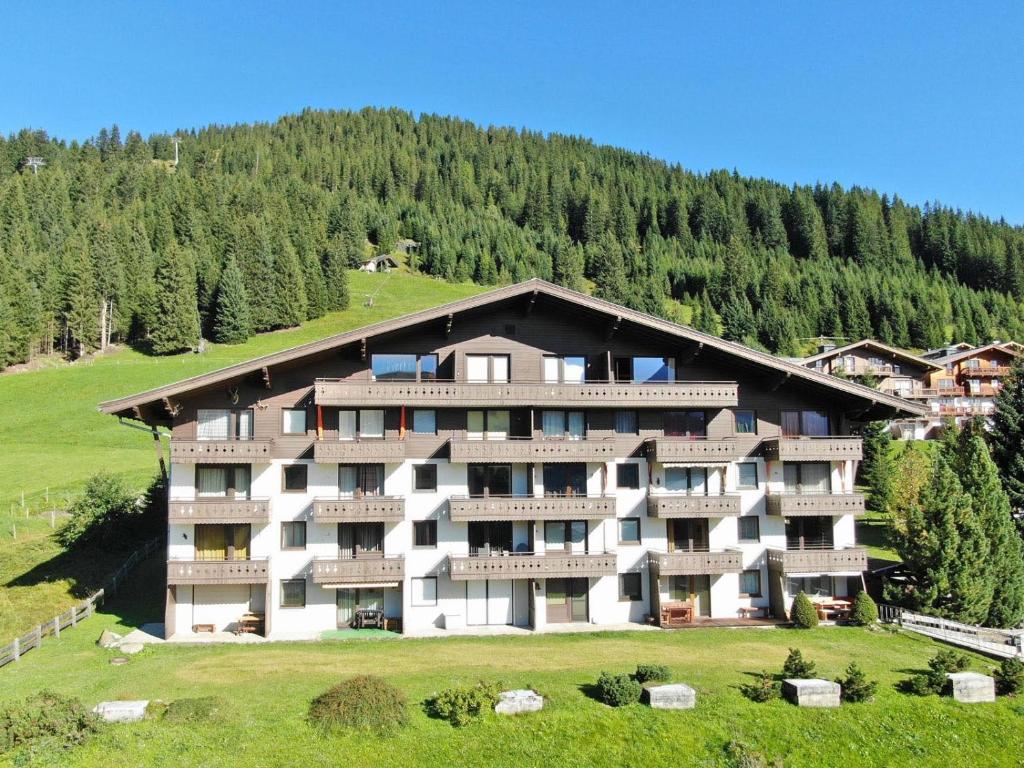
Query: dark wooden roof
point(885, 349)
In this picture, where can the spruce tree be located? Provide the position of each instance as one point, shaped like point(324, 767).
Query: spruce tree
point(176, 314)
point(335, 269)
point(1007, 436)
point(232, 323)
point(878, 468)
point(288, 292)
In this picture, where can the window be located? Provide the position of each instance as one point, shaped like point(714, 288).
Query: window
point(229, 481)
point(630, 587)
point(360, 424)
point(807, 477)
point(293, 535)
point(489, 537)
point(424, 422)
point(360, 540)
point(563, 424)
point(627, 475)
point(487, 425)
point(403, 367)
point(568, 535)
point(424, 591)
point(746, 423)
point(746, 476)
point(629, 530)
point(222, 542)
point(356, 480)
point(626, 423)
point(645, 369)
point(493, 368)
point(750, 583)
point(807, 423)
point(570, 369)
point(293, 421)
point(293, 593)
point(813, 586)
point(749, 528)
point(690, 479)
point(685, 424)
point(569, 479)
point(424, 477)
point(809, 533)
point(424, 533)
point(490, 479)
point(212, 423)
point(295, 477)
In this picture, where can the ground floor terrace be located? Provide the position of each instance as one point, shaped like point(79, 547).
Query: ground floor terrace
point(263, 690)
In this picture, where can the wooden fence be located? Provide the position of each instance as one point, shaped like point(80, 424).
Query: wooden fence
point(1003, 643)
point(21, 645)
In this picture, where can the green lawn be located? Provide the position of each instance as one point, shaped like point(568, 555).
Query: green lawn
point(268, 688)
point(52, 439)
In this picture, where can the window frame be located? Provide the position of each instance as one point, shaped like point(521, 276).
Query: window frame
point(305, 420)
point(418, 358)
point(740, 538)
point(639, 531)
point(491, 356)
point(284, 478)
point(412, 592)
point(359, 436)
point(739, 477)
point(416, 433)
point(560, 379)
point(416, 470)
point(636, 421)
point(619, 479)
point(631, 596)
point(298, 525)
point(760, 587)
point(566, 418)
point(281, 597)
point(429, 524)
point(231, 487)
point(753, 416)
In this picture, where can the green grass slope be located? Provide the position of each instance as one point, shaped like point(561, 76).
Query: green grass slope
point(52, 438)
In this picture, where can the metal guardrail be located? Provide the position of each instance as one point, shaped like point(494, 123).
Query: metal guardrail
point(1004, 643)
point(14, 650)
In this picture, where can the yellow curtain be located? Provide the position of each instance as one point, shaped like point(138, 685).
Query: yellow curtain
point(241, 542)
point(211, 543)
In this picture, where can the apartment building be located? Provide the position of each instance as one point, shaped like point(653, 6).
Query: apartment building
point(889, 369)
point(525, 457)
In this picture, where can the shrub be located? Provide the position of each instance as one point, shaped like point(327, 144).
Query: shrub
point(1009, 677)
point(618, 690)
point(865, 612)
point(46, 718)
point(802, 612)
point(856, 686)
point(364, 702)
point(797, 667)
point(109, 512)
point(949, 660)
point(765, 688)
point(934, 680)
point(924, 684)
point(651, 673)
point(459, 705)
point(195, 710)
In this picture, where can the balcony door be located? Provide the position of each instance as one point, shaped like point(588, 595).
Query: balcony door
point(807, 477)
point(695, 590)
point(691, 424)
point(687, 535)
point(348, 601)
point(223, 542)
point(565, 479)
point(490, 537)
point(360, 540)
point(565, 536)
point(358, 480)
point(490, 479)
point(566, 600)
point(809, 533)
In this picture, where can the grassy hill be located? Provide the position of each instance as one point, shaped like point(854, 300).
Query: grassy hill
point(52, 438)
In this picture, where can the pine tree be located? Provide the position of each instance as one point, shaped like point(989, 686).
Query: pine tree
point(177, 315)
point(288, 292)
point(1007, 436)
point(335, 275)
point(878, 469)
point(232, 324)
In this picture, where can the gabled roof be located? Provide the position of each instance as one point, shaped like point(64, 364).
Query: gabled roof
point(1010, 348)
point(870, 397)
point(885, 349)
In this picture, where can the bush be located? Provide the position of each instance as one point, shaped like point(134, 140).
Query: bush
point(46, 719)
point(618, 690)
point(924, 684)
point(934, 681)
point(797, 667)
point(1009, 677)
point(364, 702)
point(949, 661)
point(109, 512)
point(856, 686)
point(459, 705)
point(802, 612)
point(196, 710)
point(652, 673)
point(865, 612)
point(765, 688)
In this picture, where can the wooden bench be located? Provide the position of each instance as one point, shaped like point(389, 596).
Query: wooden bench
point(750, 612)
point(204, 628)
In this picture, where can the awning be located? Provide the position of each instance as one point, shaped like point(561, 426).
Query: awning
point(364, 585)
point(685, 464)
point(817, 574)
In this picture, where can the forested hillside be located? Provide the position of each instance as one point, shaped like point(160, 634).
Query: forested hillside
point(252, 230)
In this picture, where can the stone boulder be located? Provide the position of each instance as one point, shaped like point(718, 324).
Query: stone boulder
point(671, 696)
point(109, 639)
point(972, 687)
point(519, 701)
point(812, 693)
point(131, 648)
point(121, 711)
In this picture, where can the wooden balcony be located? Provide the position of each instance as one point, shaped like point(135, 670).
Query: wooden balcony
point(217, 571)
point(925, 394)
point(850, 560)
point(359, 570)
point(526, 449)
point(549, 565)
point(358, 451)
point(466, 508)
point(219, 510)
point(221, 451)
point(369, 509)
point(663, 449)
point(694, 563)
point(815, 504)
point(991, 370)
point(461, 394)
point(672, 505)
point(813, 448)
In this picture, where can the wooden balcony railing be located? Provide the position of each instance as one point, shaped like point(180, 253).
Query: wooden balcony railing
point(218, 510)
point(813, 448)
point(358, 451)
point(358, 570)
point(814, 504)
point(990, 370)
point(672, 505)
point(526, 449)
point(387, 509)
point(683, 563)
point(530, 565)
point(465, 508)
point(664, 449)
point(462, 394)
point(221, 451)
point(255, 571)
point(924, 394)
point(849, 560)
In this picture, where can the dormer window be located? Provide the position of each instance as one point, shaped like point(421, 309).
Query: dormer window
point(487, 368)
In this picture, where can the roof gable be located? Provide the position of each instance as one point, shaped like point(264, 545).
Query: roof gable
point(894, 352)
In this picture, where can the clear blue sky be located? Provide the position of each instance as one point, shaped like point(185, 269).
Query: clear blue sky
point(925, 100)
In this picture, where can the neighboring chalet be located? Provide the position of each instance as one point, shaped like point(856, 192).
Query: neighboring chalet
point(382, 263)
point(957, 382)
point(529, 456)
